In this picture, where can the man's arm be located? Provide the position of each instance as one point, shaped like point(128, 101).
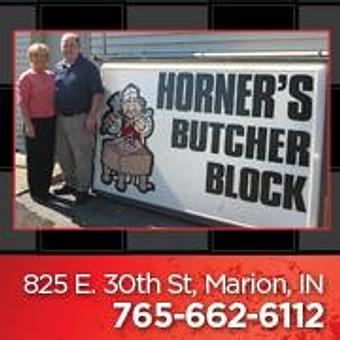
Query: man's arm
point(96, 106)
point(97, 90)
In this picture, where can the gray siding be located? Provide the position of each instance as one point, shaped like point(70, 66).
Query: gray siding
point(103, 45)
point(23, 40)
point(119, 44)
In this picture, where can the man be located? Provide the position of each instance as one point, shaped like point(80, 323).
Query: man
point(79, 98)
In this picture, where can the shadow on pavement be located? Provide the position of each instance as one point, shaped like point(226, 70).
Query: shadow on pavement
point(104, 212)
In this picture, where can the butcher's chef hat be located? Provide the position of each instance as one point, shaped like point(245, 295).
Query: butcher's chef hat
point(130, 91)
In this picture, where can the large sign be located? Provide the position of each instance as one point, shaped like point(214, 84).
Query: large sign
point(240, 143)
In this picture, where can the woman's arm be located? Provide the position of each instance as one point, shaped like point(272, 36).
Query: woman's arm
point(24, 93)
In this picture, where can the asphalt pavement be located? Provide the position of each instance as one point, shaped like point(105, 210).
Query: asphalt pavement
point(62, 213)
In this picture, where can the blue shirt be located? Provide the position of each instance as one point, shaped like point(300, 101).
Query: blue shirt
point(76, 85)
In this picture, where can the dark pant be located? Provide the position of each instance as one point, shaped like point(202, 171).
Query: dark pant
point(40, 156)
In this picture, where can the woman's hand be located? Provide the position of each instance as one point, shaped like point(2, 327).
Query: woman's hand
point(29, 130)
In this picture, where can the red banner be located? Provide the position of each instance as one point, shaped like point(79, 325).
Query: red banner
point(170, 297)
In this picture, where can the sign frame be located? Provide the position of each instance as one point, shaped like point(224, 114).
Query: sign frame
point(314, 211)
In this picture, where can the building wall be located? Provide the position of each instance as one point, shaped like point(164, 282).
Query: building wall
point(23, 40)
point(101, 46)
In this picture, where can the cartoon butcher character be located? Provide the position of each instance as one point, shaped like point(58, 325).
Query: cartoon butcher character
point(133, 125)
point(125, 157)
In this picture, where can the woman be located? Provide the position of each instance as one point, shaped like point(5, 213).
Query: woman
point(36, 100)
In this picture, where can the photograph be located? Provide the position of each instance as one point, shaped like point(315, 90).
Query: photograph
point(169, 170)
point(173, 129)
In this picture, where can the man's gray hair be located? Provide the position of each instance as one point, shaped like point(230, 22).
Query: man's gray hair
point(73, 35)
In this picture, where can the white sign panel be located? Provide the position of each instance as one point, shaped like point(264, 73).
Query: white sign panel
point(239, 143)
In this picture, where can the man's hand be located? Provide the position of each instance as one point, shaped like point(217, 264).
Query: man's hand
point(90, 124)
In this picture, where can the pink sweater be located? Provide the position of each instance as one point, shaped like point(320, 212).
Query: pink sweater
point(36, 93)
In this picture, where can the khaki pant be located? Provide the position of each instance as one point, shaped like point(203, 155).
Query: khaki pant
point(75, 151)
